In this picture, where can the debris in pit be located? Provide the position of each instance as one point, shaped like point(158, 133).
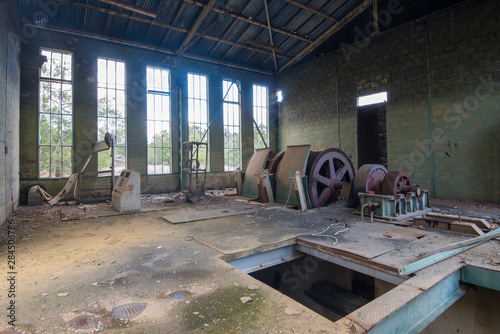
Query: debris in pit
point(128, 311)
point(83, 322)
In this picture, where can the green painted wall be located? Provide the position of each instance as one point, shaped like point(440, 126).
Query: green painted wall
point(462, 50)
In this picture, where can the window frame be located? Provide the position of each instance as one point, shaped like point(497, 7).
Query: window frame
point(51, 80)
point(226, 103)
point(160, 93)
point(260, 108)
point(202, 125)
point(115, 135)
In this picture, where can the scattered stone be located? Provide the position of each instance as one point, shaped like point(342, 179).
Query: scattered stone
point(189, 238)
point(420, 227)
point(246, 299)
point(253, 287)
point(292, 311)
point(62, 294)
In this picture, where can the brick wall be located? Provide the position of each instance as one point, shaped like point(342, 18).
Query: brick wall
point(10, 41)
point(463, 55)
point(85, 53)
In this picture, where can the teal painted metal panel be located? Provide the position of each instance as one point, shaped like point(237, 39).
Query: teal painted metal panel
point(481, 276)
point(414, 316)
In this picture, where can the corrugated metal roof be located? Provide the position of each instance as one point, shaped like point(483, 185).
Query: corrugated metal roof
point(234, 22)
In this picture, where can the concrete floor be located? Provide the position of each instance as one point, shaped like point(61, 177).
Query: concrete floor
point(91, 265)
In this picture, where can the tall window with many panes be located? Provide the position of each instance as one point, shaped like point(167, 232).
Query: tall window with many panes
point(231, 110)
point(55, 126)
point(159, 141)
point(261, 117)
point(198, 113)
point(111, 111)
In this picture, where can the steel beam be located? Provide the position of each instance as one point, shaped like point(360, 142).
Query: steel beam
point(266, 259)
point(419, 312)
point(484, 277)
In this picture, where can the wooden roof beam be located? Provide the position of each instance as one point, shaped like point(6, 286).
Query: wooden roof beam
point(312, 10)
point(197, 24)
point(169, 26)
point(125, 5)
point(252, 21)
point(336, 27)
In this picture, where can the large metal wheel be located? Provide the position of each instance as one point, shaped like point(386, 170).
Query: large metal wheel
point(327, 171)
point(369, 179)
point(396, 182)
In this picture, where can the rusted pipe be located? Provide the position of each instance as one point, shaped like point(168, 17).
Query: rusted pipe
point(368, 204)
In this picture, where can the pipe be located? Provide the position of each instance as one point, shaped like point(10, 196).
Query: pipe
point(338, 102)
point(369, 204)
point(429, 103)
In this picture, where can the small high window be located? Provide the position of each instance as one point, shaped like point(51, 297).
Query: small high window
point(372, 99)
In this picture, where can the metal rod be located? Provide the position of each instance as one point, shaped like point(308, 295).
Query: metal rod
point(484, 237)
point(131, 7)
point(338, 97)
point(312, 10)
point(197, 24)
point(252, 21)
point(336, 27)
point(270, 34)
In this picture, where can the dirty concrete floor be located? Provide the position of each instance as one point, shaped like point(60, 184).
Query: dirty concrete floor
point(79, 272)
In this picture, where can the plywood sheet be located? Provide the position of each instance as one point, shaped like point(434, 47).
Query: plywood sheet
point(203, 215)
point(256, 163)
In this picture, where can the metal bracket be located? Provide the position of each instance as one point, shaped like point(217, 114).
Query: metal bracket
point(299, 191)
point(266, 188)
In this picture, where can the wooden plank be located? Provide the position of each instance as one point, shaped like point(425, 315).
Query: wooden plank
point(469, 228)
point(481, 223)
point(204, 215)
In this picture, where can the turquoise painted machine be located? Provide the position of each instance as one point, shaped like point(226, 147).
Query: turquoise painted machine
point(389, 194)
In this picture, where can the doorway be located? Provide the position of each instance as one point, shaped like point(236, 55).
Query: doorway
point(372, 135)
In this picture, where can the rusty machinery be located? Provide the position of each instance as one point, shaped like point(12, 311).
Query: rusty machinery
point(299, 176)
point(317, 178)
point(388, 194)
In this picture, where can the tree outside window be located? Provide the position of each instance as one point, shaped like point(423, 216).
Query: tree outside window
point(111, 112)
point(261, 116)
point(158, 118)
point(232, 111)
point(198, 113)
point(55, 126)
